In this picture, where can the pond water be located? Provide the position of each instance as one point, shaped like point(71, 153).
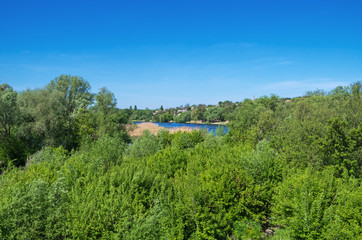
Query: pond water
point(209, 127)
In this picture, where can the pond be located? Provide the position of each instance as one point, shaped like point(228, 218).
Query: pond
point(209, 127)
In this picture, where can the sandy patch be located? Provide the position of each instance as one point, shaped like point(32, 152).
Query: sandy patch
point(219, 123)
point(136, 130)
point(182, 129)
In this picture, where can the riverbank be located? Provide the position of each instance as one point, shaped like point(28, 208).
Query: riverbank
point(211, 123)
point(155, 127)
point(192, 122)
point(136, 130)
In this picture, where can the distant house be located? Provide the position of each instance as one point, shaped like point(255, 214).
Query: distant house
point(181, 110)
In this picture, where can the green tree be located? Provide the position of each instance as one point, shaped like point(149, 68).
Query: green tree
point(338, 146)
point(9, 111)
point(11, 149)
point(75, 92)
point(198, 113)
point(51, 112)
point(105, 101)
point(43, 113)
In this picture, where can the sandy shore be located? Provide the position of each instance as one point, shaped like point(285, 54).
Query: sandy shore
point(136, 130)
point(212, 123)
point(219, 123)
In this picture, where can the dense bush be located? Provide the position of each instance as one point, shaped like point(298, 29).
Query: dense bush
point(144, 146)
point(317, 205)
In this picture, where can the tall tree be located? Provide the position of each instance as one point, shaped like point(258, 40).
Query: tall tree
point(51, 112)
point(105, 101)
point(10, 147)
point(9, 110)
point(43, 112)
point(75, 92)
point(108, 118)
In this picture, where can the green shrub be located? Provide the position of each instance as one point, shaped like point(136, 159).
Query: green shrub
point(183, 140)
point(281, 234)
point(247, 229)
point(34, 210)
point(49, 154)
point(317, 205)
point(144, 146)
point(165, 138)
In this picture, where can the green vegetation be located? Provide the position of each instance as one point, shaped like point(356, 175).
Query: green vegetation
point(183, 114)
point(287, 169)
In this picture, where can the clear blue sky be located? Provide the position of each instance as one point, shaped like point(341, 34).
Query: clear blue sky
point(152, 53)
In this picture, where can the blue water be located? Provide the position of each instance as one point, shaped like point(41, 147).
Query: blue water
point(209, 127)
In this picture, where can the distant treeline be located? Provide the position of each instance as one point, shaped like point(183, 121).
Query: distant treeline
point(221, 112)
point(182, 114)
point(287, 169)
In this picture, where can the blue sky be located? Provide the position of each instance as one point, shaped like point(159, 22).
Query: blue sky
point(170, 53)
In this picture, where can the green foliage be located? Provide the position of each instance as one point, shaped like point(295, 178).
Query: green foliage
point(144, 146)
point(282, 234)
point(87, 127)
point(212, 141)
point(198, 113)
point(141, 115)
point(183, 140)
point(13, 152)
point(105, 101)
point(338, 147)
point(9, 111)
point(210, 113)
point(220, 131)
point(313, 204)
point(60, 115)
point(165, 117)
point(108, 120)
point(50, 113)
point(247, 229)
point(215, 192)
point(183, 117)
point(9, 118)
point(265, 167)
point(165, 138)
point(105, 152)
point(292, 166)
point(74, 91)
point(214, 114)
point(49, 154)
point(32, 209)
point(245, 117)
